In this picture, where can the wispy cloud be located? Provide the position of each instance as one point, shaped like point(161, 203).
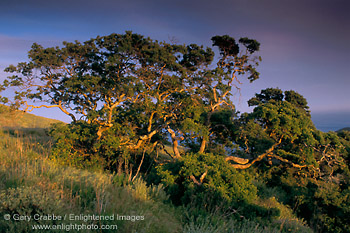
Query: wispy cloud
point(303, 42)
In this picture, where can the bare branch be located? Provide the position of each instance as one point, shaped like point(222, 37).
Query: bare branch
point(30, 107)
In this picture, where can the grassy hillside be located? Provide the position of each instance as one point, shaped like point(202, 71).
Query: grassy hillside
point(20, 119)
point(31, 184)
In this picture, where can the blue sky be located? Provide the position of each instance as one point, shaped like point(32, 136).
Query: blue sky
point(304, 43)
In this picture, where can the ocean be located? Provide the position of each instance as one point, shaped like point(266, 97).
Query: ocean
point(331, 121)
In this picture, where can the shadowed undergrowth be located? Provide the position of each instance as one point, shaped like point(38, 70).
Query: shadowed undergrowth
point(31, 183)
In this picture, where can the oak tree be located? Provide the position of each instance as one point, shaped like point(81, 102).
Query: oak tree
point(132, 92)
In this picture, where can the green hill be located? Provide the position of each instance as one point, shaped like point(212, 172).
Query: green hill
point(19, 119)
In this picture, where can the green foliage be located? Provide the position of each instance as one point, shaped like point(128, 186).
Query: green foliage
point(226, 44)
point(74, 145)
point(276, 94)
point(278, 122)
point(304, 168)
point(265, 96)
point(296, 99)
point(221, 185)
point(320, 195)
point(129, 91)
point(229, 183)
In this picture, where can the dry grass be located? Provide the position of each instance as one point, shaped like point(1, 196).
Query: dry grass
point(25, 170)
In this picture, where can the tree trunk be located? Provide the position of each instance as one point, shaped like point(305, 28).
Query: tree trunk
point(202, 148)
point(175, 149)
point(175, 143)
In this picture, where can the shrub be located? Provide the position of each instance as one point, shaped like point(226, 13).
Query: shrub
point(220, 186)
point(74, 145)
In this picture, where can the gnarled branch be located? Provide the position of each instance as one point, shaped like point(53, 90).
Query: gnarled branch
point(245, 164)
point(201, 179)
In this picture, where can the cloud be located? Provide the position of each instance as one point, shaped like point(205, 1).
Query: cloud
point(303, 42)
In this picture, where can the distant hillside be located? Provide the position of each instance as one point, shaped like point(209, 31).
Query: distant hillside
point(22, 120)
point(344, 129)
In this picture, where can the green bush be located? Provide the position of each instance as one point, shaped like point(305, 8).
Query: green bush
point(222, 189)
point(78, 145)
point(74, 145)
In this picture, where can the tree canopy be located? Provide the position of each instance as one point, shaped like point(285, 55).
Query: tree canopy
point(279, 127)
point(131, 82)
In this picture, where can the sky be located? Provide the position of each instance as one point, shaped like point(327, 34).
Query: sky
point(305, 44)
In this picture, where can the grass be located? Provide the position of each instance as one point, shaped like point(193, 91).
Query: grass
point(19, 119)
point(31, 183)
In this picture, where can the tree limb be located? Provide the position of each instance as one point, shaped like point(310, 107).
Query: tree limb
point(286, 161)
point(237, 159)
point(201, 179)
point(175, 142)
point(30, 108)
point(245, 164)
